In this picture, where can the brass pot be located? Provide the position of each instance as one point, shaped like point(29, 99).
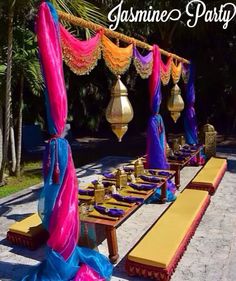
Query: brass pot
point(119, 111)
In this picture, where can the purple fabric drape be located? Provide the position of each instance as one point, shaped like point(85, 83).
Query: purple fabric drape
point(143, 64)
point(156, 139)
point(190, 122)
point(143, 59)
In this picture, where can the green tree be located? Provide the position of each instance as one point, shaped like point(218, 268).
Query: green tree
point(16, 15)
point(27, 74)
point(2, 74)
point(10, 14)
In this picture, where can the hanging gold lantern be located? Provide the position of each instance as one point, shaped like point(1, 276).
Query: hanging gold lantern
point(119, 111)
point(175, 103)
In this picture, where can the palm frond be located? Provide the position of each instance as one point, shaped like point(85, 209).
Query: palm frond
point(34, 77)
point(83, 9)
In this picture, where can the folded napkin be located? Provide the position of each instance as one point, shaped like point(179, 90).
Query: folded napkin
point(185, 150)
point(184, 154)
point(164, 173)
point(128, 169)
point(109, 175)
point(89, 192)
point(195, 146)
point(128, 199)
point(107, 183)
point(179, 158)
point(109, 211)
point(94, 182)
point(150, 178)
point(142, 186)
point(186, 146)
point(152, 172)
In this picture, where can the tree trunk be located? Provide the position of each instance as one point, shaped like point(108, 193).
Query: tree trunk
point(1, 136)
point(13, 151)
point(8, 92)
point(19, 131)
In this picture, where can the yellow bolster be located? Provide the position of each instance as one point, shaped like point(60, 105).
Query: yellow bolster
point(160, 244)
point(29, 226)
point(210, 171)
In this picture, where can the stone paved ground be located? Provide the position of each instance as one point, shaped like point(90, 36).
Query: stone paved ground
point(210, 256)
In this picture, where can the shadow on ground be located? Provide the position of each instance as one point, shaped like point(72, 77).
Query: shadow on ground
point(13, 271)
point(17, 217)
point(37, 255)
point(28, 197)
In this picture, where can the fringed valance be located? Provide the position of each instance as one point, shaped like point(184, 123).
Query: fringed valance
point(117, 59)
point(80, 56)
point(176, 71)
point(166, 71)
point(143, 64)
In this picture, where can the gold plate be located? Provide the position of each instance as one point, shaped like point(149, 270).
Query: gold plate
point(96, 214)
point(128, 192)
point(115, 206)
point(85, 197)
point(119, 203)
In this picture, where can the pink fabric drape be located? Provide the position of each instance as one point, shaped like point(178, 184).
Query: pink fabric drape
point(80, 56)
point(64, 223)
point(52, 64)
point(58, 204)
point(154, 79)
point(166, 67)
point(80, 48)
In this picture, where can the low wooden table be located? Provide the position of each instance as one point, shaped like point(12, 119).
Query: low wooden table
point(177, 166)
point(111, 223)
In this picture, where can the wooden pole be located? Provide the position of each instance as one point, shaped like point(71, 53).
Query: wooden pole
point(113, 34)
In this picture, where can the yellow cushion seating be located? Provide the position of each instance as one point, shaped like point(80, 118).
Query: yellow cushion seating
point(210, 175)
point(28, 232)
point(158, 252)
point(28, 226)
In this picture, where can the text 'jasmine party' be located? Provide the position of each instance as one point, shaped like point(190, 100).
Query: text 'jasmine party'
point(195, 10)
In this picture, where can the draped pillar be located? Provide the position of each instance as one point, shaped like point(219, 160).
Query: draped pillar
point(58, 204)
point(190, 122)
point(156, 139)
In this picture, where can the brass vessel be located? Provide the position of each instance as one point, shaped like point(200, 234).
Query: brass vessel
point(119, 111)
point(121, 178)
point(175, 103)
point(168, 150)
point(208, 138)
point(175, 145)
point(182, 140)
point(99, 192)
point(138, 168)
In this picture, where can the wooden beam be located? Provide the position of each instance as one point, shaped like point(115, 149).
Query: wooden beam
point(113, 34)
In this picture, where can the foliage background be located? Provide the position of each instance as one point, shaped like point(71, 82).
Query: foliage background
point(211, 49)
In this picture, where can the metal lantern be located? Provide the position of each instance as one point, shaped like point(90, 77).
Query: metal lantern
point(175, 103)
point(119, 111)
point(208, 138)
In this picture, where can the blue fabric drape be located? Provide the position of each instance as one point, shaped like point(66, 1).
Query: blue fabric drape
point(190, 122)
point(156, 139)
